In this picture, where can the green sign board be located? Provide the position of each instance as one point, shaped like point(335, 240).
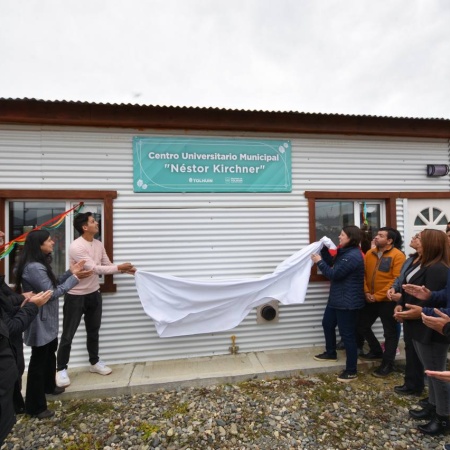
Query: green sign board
point(177, 164)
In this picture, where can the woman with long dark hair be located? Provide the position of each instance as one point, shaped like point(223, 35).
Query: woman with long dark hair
point(346, 298)
point(414, 382)
point(431, 347)
point(34, 273)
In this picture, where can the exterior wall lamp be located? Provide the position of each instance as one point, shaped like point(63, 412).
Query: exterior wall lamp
point(437, 170)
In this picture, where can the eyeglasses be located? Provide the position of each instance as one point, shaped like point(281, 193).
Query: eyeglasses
point(416, 236)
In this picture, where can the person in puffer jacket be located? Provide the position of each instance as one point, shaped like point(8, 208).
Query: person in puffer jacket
point(346, 273)
point(383, 265)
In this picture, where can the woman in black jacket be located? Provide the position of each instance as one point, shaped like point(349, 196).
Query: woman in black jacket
point(431, 347)
point(414, 380)
point(346, 273)
point(19, 311)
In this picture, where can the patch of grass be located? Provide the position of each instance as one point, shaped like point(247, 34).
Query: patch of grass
point(86, 441)
point(179, 408)
point(403, 402)
point(83, 407)
point(147, 430)
point(325, 395)
point(88, 407)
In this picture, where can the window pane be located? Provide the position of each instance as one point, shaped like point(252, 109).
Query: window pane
point(419, 222)
point(24, 216)
point(439, 218)
point(331, 217)
point(370, 220)
point(96, 210)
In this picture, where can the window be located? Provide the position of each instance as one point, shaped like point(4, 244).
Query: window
point(21, 211)
point(23, 217)
point(430, 217)
point(329, 212)
point(332, 216)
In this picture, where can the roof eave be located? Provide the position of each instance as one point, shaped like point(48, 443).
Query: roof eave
point(31, 111)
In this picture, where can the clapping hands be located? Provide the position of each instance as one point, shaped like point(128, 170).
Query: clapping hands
point(38, 299)
point(78, 270)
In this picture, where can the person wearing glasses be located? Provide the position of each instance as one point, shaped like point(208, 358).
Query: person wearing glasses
point(431, 346)
point(413, 383)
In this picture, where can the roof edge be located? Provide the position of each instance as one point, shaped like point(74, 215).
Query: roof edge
point(41, 112)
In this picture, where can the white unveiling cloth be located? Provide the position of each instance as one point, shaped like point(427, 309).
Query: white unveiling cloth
point(182, 306)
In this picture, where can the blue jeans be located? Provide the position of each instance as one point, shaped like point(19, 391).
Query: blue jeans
point(345, 320)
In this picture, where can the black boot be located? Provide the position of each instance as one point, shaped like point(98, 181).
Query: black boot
point(426, 413)
point(384, 370)
point(438, 425)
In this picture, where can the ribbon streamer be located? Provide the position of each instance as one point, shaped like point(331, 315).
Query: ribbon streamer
point(51, 224)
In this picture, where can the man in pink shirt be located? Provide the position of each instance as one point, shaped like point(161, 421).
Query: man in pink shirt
point(85, 298)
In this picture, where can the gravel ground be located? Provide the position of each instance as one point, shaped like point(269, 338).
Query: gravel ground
point(305, 412)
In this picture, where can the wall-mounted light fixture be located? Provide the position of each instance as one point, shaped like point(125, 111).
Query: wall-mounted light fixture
point(437, 170)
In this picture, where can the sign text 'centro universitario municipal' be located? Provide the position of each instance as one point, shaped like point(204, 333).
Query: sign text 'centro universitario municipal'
point(211, 165)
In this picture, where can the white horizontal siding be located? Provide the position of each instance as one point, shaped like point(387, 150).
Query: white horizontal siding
point(209, 235)
point(369, 164)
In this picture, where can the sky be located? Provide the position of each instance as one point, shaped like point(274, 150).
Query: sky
point(363, 57)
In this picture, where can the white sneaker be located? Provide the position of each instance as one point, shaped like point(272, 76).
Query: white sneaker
point(100, 368)
point(62, 378)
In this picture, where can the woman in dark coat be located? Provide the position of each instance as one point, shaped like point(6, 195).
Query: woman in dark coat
point(431, 347)
point(414, 380)
point(346, 273)
point(19, 311)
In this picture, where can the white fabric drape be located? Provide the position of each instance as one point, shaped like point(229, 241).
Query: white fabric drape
point(181, 306)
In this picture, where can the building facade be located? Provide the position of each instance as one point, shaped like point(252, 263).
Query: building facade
point(353, 168)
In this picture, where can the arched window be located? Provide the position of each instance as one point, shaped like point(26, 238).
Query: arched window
point(431, 217)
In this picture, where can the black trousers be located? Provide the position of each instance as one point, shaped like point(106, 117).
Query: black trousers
point(8, 376)
point(369, 314)
point(414, 370)
point(41, 377)
point(17, 346)
point(75, 306)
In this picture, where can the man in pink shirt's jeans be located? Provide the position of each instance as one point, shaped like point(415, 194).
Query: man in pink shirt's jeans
point(85, 298)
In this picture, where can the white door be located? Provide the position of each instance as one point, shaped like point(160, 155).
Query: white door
point(426, 213)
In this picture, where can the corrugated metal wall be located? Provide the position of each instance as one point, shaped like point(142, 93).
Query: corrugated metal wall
point(208, 235)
